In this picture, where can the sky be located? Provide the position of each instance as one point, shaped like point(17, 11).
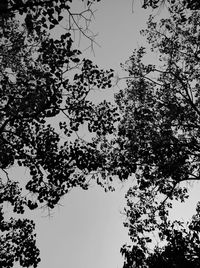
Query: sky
point(86, 229)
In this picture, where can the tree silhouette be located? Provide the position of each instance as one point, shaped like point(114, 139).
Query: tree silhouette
point(159, 135)
point(189, 4)
point(151, 132)
point(45, 79)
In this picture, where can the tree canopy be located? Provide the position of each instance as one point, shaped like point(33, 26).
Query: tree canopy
point(159, 134)
point(188, 4)
point(44, 78)
point(151, 132)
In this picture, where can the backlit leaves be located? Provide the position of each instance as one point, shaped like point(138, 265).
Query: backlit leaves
point(45, 86)
point(160, 126)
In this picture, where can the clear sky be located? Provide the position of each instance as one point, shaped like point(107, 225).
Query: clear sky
point(87, 231)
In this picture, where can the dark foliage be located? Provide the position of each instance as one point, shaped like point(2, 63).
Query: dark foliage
point(189, 4)
point(45, 80)
point(159, 133)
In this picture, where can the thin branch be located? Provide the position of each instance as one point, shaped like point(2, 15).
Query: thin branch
point(71, 15)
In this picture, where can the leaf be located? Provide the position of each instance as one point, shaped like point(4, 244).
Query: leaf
point(51, 26)
point(54, 21)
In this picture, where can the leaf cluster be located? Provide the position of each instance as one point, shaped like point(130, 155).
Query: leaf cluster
point(45, 80)
point(159, 130)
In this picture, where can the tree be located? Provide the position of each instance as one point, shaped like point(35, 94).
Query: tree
point(45, 79)
point(189, 4)
point(158, 136)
